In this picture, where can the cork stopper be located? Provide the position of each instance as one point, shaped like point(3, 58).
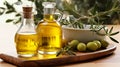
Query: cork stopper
point(27, 11)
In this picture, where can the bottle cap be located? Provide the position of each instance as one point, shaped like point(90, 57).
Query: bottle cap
point(49, 4)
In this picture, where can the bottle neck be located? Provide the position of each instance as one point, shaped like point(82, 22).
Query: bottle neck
point(49, 17)
point(27, 18)
point(27, 21)
point(49, 14)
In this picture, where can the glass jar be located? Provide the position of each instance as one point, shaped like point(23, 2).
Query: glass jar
point(49, 31)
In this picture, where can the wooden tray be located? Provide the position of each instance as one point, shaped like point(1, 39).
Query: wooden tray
point(58, 60)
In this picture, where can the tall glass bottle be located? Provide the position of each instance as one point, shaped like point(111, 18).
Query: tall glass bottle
point(49, 31)
point(26, 38)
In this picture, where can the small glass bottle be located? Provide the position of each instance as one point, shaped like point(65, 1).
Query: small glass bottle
point(49, 31)
point(26, 38)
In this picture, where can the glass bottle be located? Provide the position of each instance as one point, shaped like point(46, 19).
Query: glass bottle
point(26, 38)
point(49, 31)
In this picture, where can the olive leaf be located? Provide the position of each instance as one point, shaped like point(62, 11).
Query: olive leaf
point(108, 33)
point(111, 30)
point(2, 10)
point(9, 20)
point(9, 6)
point(18, 14)
point(59, 52)
point(9, 11)
point(114, 40)
point(114, 33)
point(65, 51)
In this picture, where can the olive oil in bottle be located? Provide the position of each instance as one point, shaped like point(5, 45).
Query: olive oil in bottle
point(49, 31)
point(26, 38)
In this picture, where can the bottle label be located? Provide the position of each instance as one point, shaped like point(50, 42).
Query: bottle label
point(50, 41)
point(26, 41)
point(47, 40)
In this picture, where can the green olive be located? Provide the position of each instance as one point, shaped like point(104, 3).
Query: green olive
point(81, 47)
point(92, 46)
point(74, 44)
point(104, 43)
point(98, 43)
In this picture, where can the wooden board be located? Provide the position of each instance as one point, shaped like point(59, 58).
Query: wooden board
point(58, 60)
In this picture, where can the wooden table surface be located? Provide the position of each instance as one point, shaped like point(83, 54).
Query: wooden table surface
point(7, 46)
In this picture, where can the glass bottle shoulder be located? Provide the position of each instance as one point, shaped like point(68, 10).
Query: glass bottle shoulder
point(28, 28)
point(48, 23)
point(48, 26)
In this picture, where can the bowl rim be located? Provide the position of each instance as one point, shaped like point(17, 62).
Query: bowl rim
point(71, 28)
point(74, 28)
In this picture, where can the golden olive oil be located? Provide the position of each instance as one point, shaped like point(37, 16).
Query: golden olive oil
point(26, 44)
point(26, 38)
point(50, 36)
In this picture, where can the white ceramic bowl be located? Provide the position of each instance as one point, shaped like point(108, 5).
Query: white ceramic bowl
point(83, 35)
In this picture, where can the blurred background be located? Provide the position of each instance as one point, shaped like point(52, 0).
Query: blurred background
point(7, 31)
